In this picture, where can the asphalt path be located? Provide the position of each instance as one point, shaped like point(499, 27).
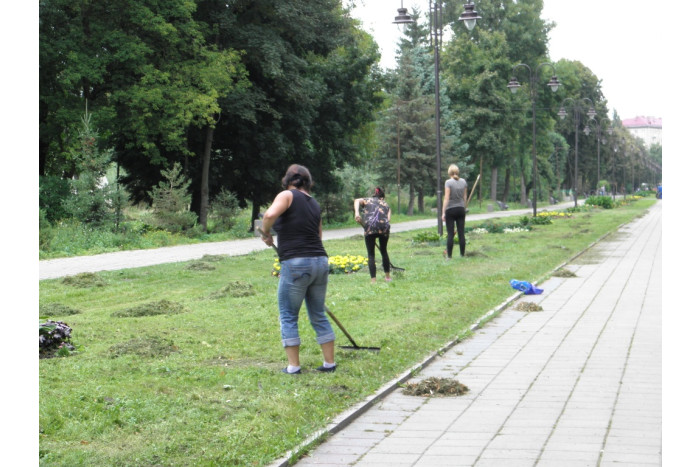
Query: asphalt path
point(61, 267)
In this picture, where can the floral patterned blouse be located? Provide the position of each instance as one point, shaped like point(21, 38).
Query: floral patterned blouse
point(375, 217)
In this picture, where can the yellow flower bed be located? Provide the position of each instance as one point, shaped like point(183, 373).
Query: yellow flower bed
point(338, 264)
point(551, 214)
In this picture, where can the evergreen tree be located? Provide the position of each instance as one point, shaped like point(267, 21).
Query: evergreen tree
point(91, 199)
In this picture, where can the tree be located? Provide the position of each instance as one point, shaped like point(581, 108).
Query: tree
point(482, 105)
point(91, 198)
point(171, 200)
point(146, 69)
point(580, 82)
point(314, 85)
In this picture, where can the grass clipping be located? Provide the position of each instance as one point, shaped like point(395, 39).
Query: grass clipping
point(162, 307)
point(84, 280)
point(435, 387)
point(563, 273)
point(528, 306)
point(144, 347)
point(234, 289)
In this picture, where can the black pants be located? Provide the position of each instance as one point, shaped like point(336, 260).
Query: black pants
point(370, 242)
point(453, 215)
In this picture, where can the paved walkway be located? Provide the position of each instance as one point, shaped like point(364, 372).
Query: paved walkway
point(55, 268)
point(577, 384)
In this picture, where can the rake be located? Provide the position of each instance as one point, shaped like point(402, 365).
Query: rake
point(354, 345)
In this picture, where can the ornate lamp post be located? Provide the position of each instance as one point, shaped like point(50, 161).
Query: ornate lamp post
point(577, 107)
point(587, 131)
point(469, 16)
point(553, 84)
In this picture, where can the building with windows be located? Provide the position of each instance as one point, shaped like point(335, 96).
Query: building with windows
point(646, 128)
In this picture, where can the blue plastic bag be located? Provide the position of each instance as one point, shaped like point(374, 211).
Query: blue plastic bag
point(525, 287)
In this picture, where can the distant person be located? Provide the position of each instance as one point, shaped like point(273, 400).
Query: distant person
point(454, 209)
point(376, 220)
point(296, 217)
point(658, 192)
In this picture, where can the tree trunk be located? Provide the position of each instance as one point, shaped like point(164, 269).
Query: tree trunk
point(255, 214)
point(506, 189)
point(523, 190)
point(204, 189)
point(411, 194)
point(421, 200)
point(494, 183)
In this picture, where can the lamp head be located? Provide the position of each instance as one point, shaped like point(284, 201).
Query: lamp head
point(469, 16)
point(554, 83)
point(403, 18)
point(513, 85)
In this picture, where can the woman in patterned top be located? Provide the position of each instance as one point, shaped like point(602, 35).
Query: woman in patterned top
point(376, 218)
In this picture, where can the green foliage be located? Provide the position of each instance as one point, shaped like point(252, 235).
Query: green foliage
point(605, 202)
point(91, 198)
point(53, 191)
point(427, 237)
point(224, 210)
point(45, 233)
point(537, 220)
point(171, 201)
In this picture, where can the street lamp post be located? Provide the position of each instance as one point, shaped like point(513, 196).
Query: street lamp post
point(587, 131)
point(398, 158)
point(577, 109)
point(553, 84)
point(469, 17)
point(615, 149)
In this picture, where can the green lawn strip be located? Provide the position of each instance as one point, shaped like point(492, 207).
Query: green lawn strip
point(204, 387)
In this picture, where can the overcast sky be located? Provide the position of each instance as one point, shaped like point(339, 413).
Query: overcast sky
point(617, 40)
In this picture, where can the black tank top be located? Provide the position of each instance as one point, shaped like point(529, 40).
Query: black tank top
point(297, 228)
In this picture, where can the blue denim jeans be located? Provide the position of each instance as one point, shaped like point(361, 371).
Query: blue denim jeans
point(303, 279)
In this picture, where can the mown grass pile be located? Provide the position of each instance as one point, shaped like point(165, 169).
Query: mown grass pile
point(200, 383)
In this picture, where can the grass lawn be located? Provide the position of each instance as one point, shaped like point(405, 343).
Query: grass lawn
point(179, 364)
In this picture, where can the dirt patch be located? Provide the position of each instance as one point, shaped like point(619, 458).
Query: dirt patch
point(564, 273)
point(162, 307)
point(234, 289)
point(436, 387)
point(200, 266)
point(57, 309)
point(213, 258)
point(144, 347)
point(84, 280)
point(528, 306)
point(474, 253)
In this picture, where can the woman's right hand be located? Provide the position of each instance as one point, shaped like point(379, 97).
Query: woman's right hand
point(358, 219)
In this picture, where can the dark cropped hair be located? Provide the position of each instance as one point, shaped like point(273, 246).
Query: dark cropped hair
point(378, 193)
point(298, 176)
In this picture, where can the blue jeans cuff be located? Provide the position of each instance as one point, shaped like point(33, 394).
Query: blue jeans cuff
point(293, 342)
point(325, 338)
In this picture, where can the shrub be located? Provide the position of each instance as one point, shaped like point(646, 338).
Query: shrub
point(224, 210)
point(426, 237)
point(526, 221)
point(604, 202)
point(52, 193)
point(171, 201)
point(45, 231)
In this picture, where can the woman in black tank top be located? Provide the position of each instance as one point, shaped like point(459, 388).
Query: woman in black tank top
point(296, 217)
